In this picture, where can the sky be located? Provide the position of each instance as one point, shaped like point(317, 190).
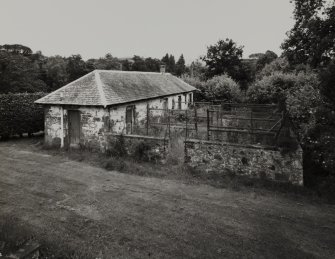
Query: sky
point(148, 28)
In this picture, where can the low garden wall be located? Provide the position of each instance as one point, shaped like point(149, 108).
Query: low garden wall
point(248, 160)
point(144, 148)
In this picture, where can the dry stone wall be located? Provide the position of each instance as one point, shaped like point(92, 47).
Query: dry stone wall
point(251, 161)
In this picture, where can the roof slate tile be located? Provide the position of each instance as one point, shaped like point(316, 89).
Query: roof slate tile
point(109, 87)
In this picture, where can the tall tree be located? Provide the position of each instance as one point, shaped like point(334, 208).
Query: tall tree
point(170, 64)
point(312, 39)
point(18, 73)
point(223, 57)
point(76, 67)
point(56, 74)
point(180, 66)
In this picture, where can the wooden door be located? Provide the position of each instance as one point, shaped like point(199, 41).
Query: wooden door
point(130, 119)
point(165, 108)
point(74, 127)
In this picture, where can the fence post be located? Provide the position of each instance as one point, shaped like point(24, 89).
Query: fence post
point(208, 124)
point(186, 124)
point(196, 121)
point(169, 124)
point(148, 115)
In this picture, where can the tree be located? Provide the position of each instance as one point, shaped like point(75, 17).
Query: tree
point(264, 59)
point(76, 67)
point(277, 65)
point(152, 64)
point(223, 88)
point(139, 64)
point(311, 40)
point(180, 66)
point(170, 64)
point(106, 63)
point(197, 69)
point(223, 57)
point(56, 73)
point(18, 73)
point(16, 49)
point(256, 55)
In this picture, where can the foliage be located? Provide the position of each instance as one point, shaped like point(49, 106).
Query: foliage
point(170, 63)
point(197, 70)
point(117, 147)
point(223, 57)
point(76, 67)
point(320, 141)
point(19, 114)
point(289, 89)
point(16, 49)
point(142, 151)
point(106, 63)
point(18, 73)
point(265, 58)
point(197, 83)
point(56, 73)
point(311, 40)
point(222, 88)
point(277, 65)
point(327, 77)
point(180, 66)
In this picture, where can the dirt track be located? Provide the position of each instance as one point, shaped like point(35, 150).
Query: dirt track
point(125, 216)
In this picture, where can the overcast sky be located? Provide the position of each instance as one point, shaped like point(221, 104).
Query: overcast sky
point(152, 28)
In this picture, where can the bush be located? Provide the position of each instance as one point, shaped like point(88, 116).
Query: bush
point(142, 151)
point(223, 88)
point(218, 88)
point(117, 147)
point(19, 114)
point(115, 164)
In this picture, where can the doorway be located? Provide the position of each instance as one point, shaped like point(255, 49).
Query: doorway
point(74, 127)
point(130, 117)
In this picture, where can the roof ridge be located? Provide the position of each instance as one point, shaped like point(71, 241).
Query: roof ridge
point(131, 72)
point(100, 88)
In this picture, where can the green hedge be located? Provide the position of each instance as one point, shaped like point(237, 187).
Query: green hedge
point(19, 114)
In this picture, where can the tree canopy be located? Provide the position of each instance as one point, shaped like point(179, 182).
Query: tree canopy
point(312, 39)
point(223, 57)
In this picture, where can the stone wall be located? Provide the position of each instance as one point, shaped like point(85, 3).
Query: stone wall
point(96, 121)
point(248, 160)
point(151, 148)
point(118, 113)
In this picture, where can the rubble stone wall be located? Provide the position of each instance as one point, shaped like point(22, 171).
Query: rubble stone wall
point(248, 160)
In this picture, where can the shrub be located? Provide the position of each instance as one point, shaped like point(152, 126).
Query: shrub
point(19, 114)
point(223, 88)
point(117, 147)
point(142, 151)
point(115, 164)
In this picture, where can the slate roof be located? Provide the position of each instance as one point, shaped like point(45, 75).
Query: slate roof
point(109, 87)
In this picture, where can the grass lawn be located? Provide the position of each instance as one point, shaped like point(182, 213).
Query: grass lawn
point(77, 209)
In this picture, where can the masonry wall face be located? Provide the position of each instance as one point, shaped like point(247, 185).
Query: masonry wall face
point(248, 161)
point(96, 121)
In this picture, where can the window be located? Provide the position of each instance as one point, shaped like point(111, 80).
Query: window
point(179, 102)
point(173, 104)
point(190, 98)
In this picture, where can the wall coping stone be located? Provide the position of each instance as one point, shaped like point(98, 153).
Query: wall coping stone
point(139, 137)
point(219, 143)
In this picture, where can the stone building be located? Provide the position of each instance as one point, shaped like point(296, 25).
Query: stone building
point(107, 101)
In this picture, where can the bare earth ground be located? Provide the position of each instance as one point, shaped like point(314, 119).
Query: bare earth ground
point(116, 215)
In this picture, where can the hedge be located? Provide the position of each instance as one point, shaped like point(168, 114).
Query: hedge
point(19, 114)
